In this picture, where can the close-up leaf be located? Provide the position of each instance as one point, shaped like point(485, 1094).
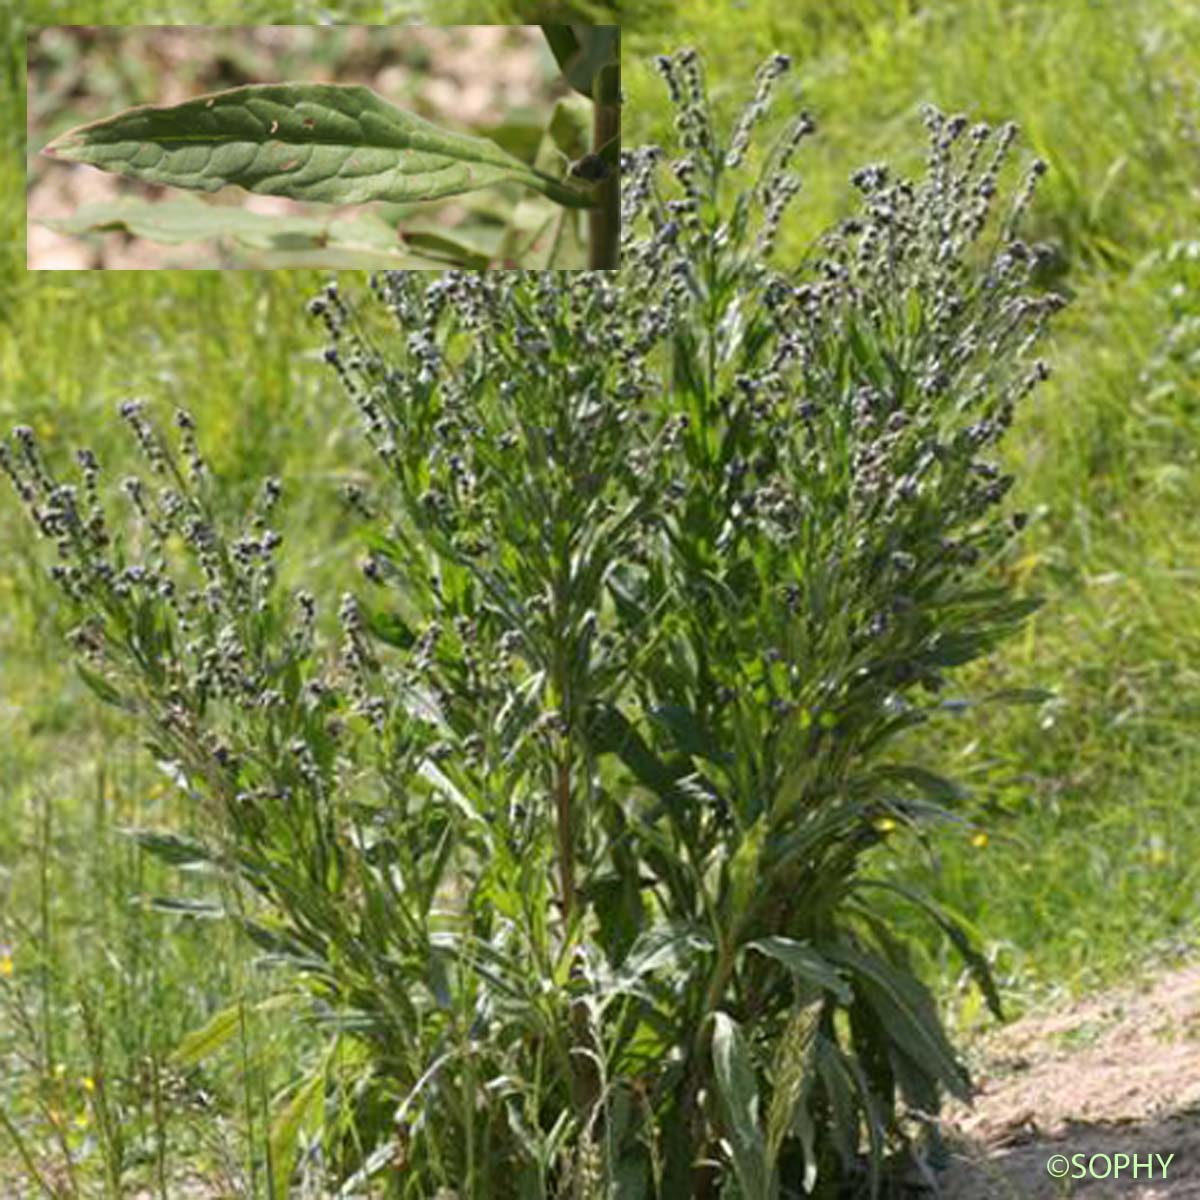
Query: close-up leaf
point(331, 143)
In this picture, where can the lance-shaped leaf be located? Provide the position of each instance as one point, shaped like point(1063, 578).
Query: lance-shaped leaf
point(737, 1089)
point(190, 219)
point(331, 143)
point(365, 241)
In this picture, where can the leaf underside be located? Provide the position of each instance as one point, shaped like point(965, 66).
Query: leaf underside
point(330, 143)
point(190, 219)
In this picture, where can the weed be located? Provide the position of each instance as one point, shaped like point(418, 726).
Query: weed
point(564, 831)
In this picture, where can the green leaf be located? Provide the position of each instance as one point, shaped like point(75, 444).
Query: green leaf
point(617, 902)
point(100, 686)
point(688, 733)
point(954, 929)
point(218, 1030)
point(632, 1181)
point(932, 785)
point(190, 219)
point(737, 1089)
point(170, 847)
point(448, 246)
point(745, 869)
point(564, 45)
point(209, 1038)
point(611, 732)
point(334, 259)
point(441, 781)
point(281, 947)
point(179, 906)
point(301, 1111)
point(1018, 696)
point(390, 628)
point(804, 962)
point(569, 130)
point(519, 134)
point(660, 946)
point(906, 1010)
point(839, 1085)
point(589, 57)
point(330, 143)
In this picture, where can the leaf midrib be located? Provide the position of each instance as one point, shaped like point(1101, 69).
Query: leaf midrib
point(373, 102)
point(318, 119)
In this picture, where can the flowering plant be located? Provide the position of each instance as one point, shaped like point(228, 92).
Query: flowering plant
point(568, 830)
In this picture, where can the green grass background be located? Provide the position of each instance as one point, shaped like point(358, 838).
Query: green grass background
point(1091, 867)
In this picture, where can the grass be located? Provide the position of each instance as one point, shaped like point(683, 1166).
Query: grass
point(1088, 802)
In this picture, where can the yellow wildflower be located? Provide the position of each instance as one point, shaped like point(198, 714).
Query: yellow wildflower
point(979, 840)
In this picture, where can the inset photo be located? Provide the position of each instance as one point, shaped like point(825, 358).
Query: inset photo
point(479, 147)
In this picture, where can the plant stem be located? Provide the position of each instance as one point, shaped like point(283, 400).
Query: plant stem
point(566, 863)
point(160, 1126)
point(44, 931)
point(604, 221)
point(27, 1158)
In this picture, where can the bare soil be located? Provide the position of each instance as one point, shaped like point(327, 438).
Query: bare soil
point(1113, 1074)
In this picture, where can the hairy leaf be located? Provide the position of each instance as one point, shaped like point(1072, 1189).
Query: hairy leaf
point(332, 143)
point(793, 1056)
point(189, 219)
point(738, 1092)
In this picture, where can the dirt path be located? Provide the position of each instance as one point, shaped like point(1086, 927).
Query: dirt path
point(1118, 1074)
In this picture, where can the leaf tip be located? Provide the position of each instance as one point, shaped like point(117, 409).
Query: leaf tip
point(61, 148)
